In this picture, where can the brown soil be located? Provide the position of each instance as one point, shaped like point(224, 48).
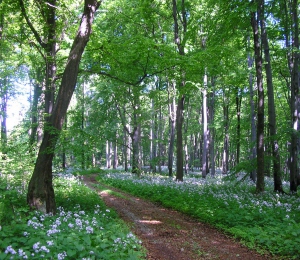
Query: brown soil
point(170, 235)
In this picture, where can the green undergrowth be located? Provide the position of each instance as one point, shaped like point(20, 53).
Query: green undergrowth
point(268, 222)
point(83, 228)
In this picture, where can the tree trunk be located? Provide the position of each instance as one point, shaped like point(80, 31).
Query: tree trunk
point(180, 14)
point(205, 137)
point(186, 150)
point(260, 106)
point(238, 102)
point(115, 157)
point(179, 141)
point(211, 107)
point(136, 135)
point(271, 108)
point(40, 194)
point(225, 159)
point(108, 154)
point(37, 91)
point(172, 126)
point(136, 161)
point(294, 171)
point(252, 116)
point(125, 148)
point(3, 89)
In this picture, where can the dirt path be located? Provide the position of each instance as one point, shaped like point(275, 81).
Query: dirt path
point(170, 235)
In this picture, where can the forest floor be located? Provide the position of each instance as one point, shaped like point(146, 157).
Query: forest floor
point(169, 235)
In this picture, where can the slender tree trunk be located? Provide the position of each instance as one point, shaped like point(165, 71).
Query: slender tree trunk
point(295, 100)
point(64, 158)
point(260, 94)
point(136, 161)
point(205, 129)
point(212, 130)
point(238, 102)
point(172, 127)
point(115, 157)
point(108, 154)
point(136, 136)
point(225, 159)
point(37, 91)
point(125, 148)
point(3, 89)
point(252, 117)
point(186, 150)
point(40, 189)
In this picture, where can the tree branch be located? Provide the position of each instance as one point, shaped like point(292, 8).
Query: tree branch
point(29, 23)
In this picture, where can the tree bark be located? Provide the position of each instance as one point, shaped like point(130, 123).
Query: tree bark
point(225, 159)
point(40, 194)
point(211, 106)
point(179, 141)
point(37, 91)
point(172, 126)
point(205, 129)
point(252, 117)
point(238, 102)
point(179, 14)
point(260, 96)
point(271, 107)
point(295, 100)
point(4, 97)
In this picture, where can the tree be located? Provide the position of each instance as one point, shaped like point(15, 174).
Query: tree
point(271, 103)
point(179, 14)
point(205, 130)
point(40, 189)
point(255, 18)
point(295, 99)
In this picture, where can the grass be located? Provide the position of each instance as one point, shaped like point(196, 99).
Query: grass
point(83, 228)
point(266, 222)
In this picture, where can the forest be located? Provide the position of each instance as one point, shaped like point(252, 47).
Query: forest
point(180, 90)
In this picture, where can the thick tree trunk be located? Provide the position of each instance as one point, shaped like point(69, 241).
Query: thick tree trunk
point(179, 14)
point(271, 108)
point(40, 189)
point(260, 185)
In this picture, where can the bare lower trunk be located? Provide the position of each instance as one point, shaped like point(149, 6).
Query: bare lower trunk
point(179, 126)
